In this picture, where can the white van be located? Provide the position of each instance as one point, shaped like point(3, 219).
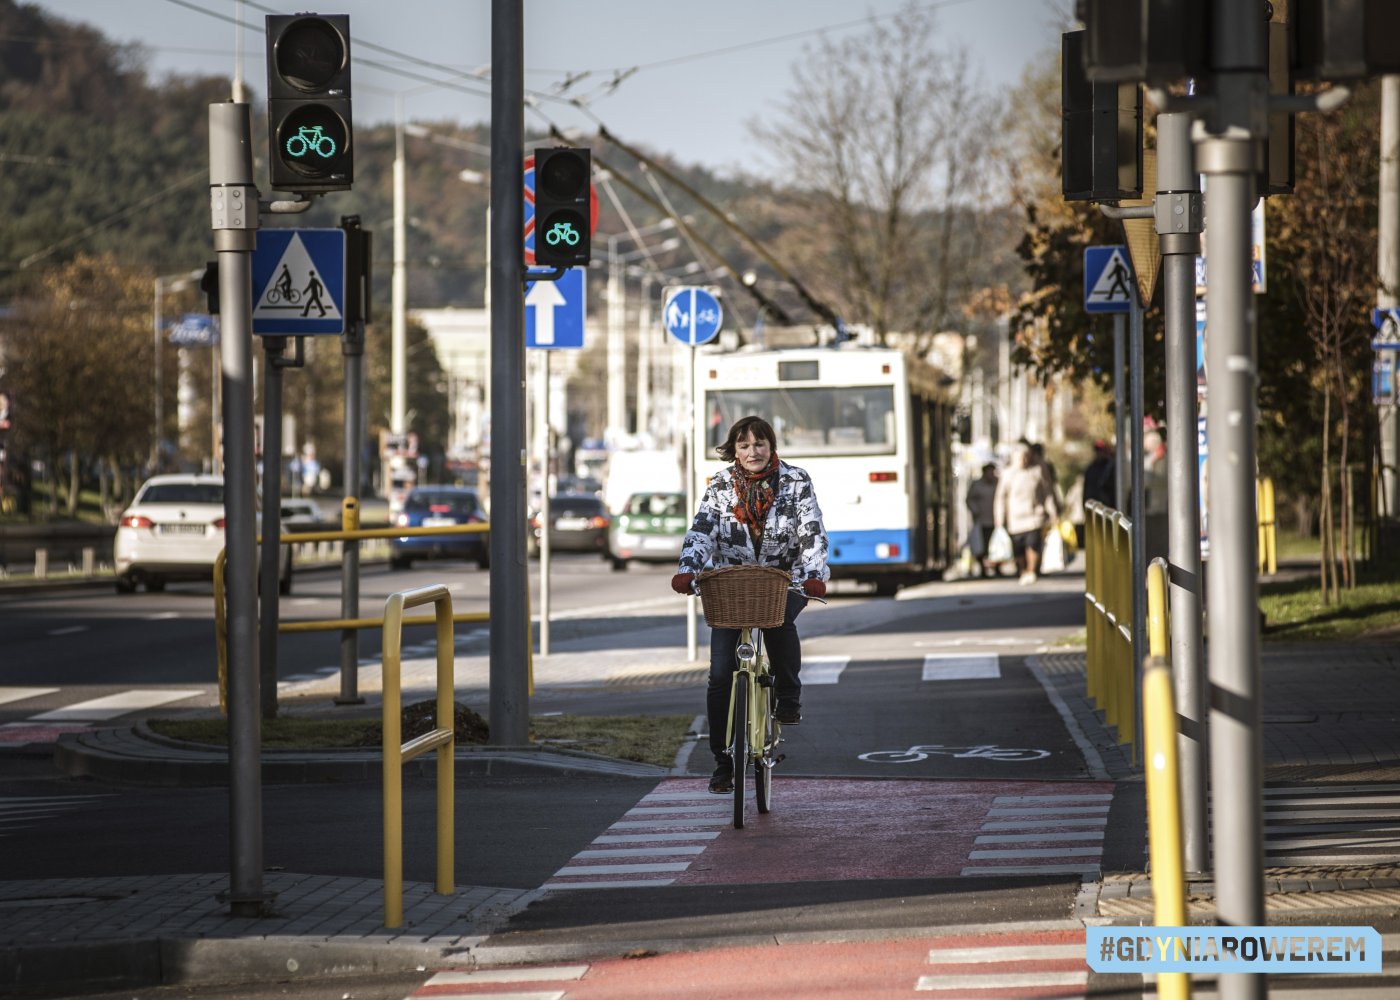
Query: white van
point(650, 471)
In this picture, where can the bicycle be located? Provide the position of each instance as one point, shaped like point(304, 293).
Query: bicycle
point(749, 598)
point(986, 751)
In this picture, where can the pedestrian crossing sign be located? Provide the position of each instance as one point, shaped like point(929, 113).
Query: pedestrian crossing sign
point(1108, 280)
point(299, 282)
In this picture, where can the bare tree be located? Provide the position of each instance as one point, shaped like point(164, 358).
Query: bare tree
point(887, 133)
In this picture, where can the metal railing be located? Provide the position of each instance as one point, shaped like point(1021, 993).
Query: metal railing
point(1159, 735)
point(397, 754)
point(1108, 613)
point(330, 624)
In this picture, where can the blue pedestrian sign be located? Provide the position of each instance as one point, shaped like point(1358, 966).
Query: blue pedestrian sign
point(554, 311)
point(1108, 280)
point(299, 282)
point(1387, 321)
point(692, 315)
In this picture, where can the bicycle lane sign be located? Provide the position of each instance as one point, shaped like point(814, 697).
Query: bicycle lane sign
point(299, 282)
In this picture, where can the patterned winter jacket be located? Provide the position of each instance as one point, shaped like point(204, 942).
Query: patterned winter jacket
point(793, 536)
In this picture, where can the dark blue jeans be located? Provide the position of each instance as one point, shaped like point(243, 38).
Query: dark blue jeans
point(784, 656)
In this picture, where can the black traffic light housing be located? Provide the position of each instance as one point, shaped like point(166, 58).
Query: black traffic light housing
point(563, 196)
point(310, 137)
point(1345, 39)
point(1101, 145)
point(1156, 41)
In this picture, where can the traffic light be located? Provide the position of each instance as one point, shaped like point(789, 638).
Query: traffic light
point(1156, 41)
point(1101, 142)
point(309, 134)
point(563, 190)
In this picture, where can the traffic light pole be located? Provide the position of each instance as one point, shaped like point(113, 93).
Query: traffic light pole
point(1178, 215)
point(1230, 139)
point(234, 216)
point(510, 619)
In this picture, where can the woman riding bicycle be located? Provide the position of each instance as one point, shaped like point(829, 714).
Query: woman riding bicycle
point(763, 511)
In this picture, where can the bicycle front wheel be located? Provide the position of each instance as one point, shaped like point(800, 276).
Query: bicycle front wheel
point(763, 760)
point(741, 744)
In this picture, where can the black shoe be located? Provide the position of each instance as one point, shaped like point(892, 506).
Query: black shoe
point(788, 713)
point(722, 781)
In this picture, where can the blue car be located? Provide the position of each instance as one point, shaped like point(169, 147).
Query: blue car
point(437, 506)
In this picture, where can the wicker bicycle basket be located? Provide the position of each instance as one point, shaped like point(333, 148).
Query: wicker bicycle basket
point(744, 596)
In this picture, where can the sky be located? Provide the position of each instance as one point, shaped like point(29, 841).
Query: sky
point(703, 71)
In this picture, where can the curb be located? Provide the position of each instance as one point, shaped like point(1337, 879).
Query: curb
point(130, 756)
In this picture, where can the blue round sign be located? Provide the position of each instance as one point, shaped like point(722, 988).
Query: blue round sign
point(692, 315)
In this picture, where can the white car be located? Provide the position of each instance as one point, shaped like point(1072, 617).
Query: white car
point(174, 530)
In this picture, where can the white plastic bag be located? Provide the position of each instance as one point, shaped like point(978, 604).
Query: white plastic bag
point(1052, 555)
point(999, 547)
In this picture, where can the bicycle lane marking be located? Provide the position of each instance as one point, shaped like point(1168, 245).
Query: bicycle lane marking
point(908, 829)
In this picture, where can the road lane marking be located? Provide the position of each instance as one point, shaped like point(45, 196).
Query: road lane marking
point(69, 630)
point(823, 669)
point(9, 694)
point(113, 705)
point(958, 667)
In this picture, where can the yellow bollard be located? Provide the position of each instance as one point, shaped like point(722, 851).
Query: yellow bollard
point(1164, 814)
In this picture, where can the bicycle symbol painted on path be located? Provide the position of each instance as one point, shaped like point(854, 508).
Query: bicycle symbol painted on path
point(310, 138)
point(562, 231)
point(985, 751)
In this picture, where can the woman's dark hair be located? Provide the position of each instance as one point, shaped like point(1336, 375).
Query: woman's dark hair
point(761, 429)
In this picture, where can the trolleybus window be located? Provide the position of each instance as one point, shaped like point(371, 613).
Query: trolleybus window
point(853, 420)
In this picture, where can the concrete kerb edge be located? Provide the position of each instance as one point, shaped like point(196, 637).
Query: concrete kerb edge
point(210, 961)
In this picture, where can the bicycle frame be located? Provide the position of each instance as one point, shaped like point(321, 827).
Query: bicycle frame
point(753, 671)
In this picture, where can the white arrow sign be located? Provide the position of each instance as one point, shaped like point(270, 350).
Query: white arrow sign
point(545, 298)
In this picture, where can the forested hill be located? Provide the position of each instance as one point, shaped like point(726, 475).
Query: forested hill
point(98, 157)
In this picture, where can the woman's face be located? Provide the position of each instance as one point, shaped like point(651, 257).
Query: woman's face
point(752, 453)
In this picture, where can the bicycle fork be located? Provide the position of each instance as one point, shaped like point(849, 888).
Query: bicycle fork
point(760, 686)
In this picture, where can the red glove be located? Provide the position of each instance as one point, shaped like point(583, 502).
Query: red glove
point(681, 582)
point(814, 588)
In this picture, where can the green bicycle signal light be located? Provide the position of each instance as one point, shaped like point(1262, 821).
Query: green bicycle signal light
point(309, 128)
point(563, 190)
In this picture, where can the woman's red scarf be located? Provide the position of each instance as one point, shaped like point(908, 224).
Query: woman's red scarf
point(755, 495)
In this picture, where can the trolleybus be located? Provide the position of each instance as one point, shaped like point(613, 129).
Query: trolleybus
point(871, 426)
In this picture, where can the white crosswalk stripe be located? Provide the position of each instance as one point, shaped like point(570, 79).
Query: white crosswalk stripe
point(652, 843)
point(1023, 964)
point(113, 705)
point(23, 811)
point(961, 666)
point(1331, 824)
point(1041, 835)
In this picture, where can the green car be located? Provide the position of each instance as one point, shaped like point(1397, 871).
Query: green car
point(650, 528)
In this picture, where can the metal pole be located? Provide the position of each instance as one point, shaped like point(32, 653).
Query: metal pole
point(692, 627)
point(234, 211)
point(398, 334)
point(510, 590)
point(1178, 219)
point(542, 419)
point(352, 346)
point(1230, 152)
point(617, 348)
point(1138, 537)
point(644, 334)
point(1388, 294)
point(155, 343)
point(1120, 439)
point(268, 574)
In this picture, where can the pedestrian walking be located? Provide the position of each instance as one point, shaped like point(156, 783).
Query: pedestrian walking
point(981, 504)
point(1025, 506)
